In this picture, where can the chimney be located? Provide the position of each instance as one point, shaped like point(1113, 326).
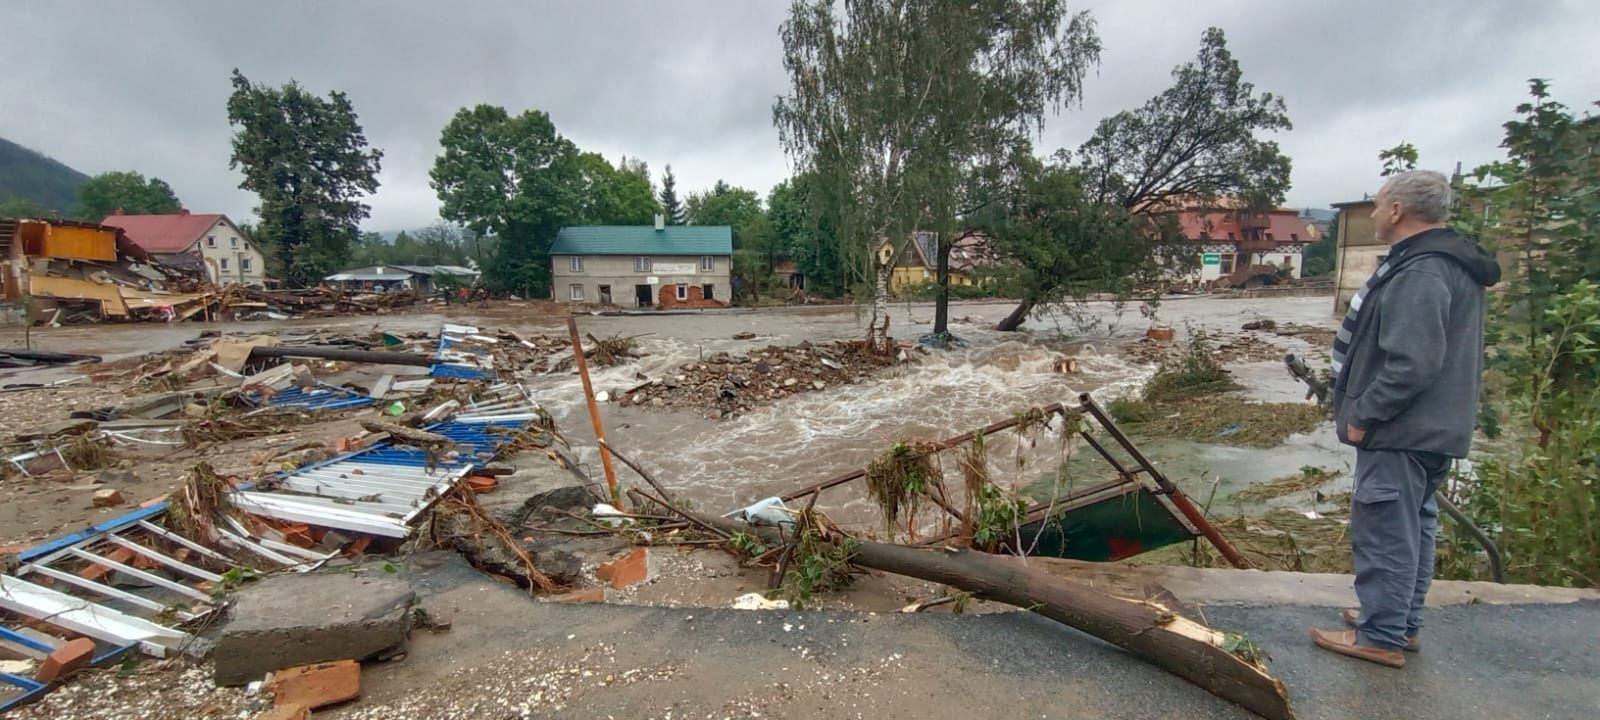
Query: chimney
point(661, 221)
point(118, 212)
point(183, 211)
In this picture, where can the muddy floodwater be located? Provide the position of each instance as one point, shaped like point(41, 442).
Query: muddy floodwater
point(722, 465)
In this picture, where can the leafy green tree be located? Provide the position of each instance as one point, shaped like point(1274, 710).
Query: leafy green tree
point(1195, 142)
point(615, 195)
point(723, 204)
point(893, 102)
point(21, 207)
point(1065, 244)
point(307, 159)
point(1398, 159)
point(513, 178)
point(670, 204)
point(129, 192)
point(801, 233)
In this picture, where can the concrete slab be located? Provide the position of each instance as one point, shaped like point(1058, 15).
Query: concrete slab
point(289, 620)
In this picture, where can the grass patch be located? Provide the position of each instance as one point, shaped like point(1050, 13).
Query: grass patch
point(1194, 372)
point(1224, 420)
point(1279, 540)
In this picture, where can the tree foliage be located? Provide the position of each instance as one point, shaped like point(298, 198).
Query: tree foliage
point(1539, 492)
point(892, 102)
point(1197, 139)
point(514, 178)
point(307, 159)
point(1398, 159)
point(21, 207)
point(441, 243)
point(670, 204)
point(802, 232)
point(130, 192)
point(615, 195)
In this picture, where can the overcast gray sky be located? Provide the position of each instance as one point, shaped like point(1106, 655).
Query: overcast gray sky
point(142, 86)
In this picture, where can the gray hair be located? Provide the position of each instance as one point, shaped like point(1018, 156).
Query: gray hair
point(1424, 194)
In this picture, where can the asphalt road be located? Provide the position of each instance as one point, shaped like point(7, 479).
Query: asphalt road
point(1479, 661)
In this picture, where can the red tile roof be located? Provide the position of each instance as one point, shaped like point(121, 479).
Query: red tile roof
point(1286, 226)
point(163, 233)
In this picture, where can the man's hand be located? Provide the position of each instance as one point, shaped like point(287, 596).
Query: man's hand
point(1355, 434)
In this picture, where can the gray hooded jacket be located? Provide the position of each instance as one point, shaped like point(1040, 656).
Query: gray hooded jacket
point(1415, 363)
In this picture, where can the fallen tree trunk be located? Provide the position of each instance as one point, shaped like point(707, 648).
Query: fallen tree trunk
point(1151, 631)
point(328, 353)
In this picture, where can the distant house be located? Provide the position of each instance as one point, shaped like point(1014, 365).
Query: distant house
point(208, 242)
point(1227, 240)
point(790, 274)
point(1357, 253)
point(919, 263)
point(424, 279)
point(664, 266)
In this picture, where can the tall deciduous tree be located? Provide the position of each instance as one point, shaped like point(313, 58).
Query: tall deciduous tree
point(514, 178)
point(307, 159)
point(1196, 142)
point(892, 102)
point(615, 195)
point(670, 204)
point(804, 235)
point(130, 192)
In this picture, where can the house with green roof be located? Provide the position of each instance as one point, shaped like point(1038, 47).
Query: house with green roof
point(664, 266)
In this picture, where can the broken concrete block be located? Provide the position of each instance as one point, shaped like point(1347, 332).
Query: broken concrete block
point(626, 570)
point(290, 620)
point(109, 497)
point(317, 685)
point(65, 659)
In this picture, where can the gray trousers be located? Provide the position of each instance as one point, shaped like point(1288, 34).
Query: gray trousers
point(1393, 521)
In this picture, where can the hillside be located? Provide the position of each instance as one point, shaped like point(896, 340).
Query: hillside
point(25, 173)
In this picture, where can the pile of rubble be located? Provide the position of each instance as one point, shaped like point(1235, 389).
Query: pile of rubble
point(724, 385)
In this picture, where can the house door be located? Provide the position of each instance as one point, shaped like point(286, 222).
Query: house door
point(642, 296)
point(605, 294)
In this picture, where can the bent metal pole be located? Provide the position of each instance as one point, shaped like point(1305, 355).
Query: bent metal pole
point(594, 411)
point(1179, 500)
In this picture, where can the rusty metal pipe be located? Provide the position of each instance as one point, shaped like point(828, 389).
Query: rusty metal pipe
point(1179, 500)
point(594, 412)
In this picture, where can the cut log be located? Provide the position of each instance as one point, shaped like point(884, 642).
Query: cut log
point(1146, 629)
point(409, 436)
point(357, 356)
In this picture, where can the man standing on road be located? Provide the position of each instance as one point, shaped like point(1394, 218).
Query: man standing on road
point(1407, 365)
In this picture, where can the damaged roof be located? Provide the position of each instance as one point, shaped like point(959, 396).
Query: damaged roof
point(170, 233)
point(644, 240)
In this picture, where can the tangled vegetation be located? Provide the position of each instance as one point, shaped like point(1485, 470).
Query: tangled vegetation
point(899, 479)
point(819, 561)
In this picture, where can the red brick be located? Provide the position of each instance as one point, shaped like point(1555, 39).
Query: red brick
point(293, 711)
point(109, 497)
point(482, 484)
point(626, 570)
point(95, 572)
point(592, 595)
point(317, 685)
point(65, 659)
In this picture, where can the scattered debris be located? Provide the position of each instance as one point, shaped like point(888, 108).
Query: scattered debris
point(725, 385)
point(298, 619)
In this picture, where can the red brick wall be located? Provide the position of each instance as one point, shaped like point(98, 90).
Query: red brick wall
point(668, 298)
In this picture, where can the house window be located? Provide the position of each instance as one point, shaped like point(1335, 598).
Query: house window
point(641, 264)
point(1294, 236)
point(683, 292)
point(211, 241)
point(1226, 266)
point(224, 264)
point(1231, 237)
point(706, 291)
point(575, 263)
point(575, 292)
point(707, 263)
point(244, 263)
point(1269, 236)
point(233, 242)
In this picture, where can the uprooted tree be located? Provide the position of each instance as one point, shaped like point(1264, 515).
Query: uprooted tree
point(1196, 142)
point(892, 101)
